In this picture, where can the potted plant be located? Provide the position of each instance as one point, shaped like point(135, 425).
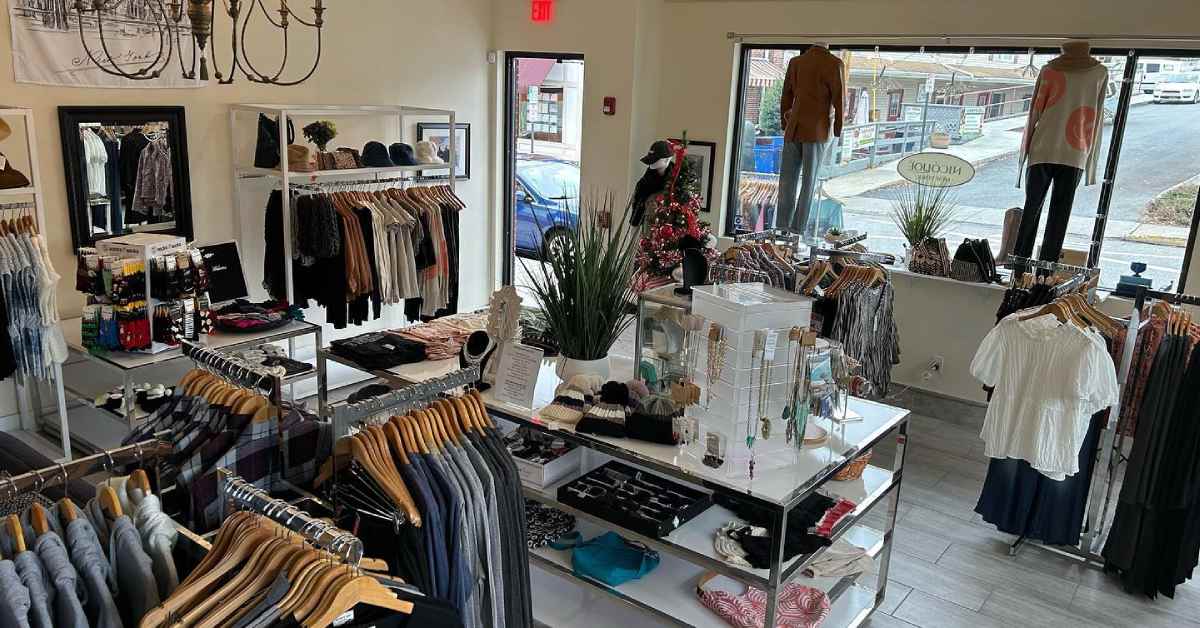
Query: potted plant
point(584, 286)
point(320, 133)
point(922, 213)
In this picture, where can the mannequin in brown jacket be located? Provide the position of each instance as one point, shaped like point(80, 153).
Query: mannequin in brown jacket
point(814, 88)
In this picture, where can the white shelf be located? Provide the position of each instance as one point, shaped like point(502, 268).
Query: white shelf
point(669, 592)
point(779, 485)
point(319, 175)
point(693, 541)
point(25, 191)
point(343, 110)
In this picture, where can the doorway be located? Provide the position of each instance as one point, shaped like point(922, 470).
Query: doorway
point(543, 127)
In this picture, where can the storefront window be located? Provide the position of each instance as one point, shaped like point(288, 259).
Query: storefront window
point(973, 106)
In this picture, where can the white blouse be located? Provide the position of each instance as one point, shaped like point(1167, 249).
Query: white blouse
point(1049, 379)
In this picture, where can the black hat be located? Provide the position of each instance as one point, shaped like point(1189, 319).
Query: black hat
point(375, 155)
point(402, 154)
point(658, 150)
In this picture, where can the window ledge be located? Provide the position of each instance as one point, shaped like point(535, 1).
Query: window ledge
point(904, 272)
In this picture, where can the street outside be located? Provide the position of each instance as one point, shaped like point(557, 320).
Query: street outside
point(1157, 154)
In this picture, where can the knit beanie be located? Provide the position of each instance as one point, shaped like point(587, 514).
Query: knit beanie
point(567, 407)
point(637, 392)
point(654, 421)
point(587, 384)
point(607, 416)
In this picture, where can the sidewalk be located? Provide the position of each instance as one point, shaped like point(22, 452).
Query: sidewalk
point(997, 142)
point(1000, 139)
point(1079, 226)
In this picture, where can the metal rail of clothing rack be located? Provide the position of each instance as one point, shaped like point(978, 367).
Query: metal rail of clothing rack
point(322, 534)
point(244, 374)
point(346, 414)
point(63, 472)
point(1030, 263)
point(863, 256)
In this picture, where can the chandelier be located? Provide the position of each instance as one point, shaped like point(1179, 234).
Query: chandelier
point(165, 17)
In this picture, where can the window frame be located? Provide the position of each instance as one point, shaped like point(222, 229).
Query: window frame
point(1133, 56)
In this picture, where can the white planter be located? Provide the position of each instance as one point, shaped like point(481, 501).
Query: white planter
point(569, 367)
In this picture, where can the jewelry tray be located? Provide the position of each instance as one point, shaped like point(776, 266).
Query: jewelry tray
point(684, 503)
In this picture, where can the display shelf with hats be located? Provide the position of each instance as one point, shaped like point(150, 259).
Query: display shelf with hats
point(279, 157)
point(26, 190)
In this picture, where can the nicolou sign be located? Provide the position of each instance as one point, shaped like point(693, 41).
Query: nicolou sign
point(936, 169)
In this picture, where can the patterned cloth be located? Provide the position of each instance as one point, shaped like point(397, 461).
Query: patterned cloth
point(799, 607)
point(1150, 336)
point(545, 525)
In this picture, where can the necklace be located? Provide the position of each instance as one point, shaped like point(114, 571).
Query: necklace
point(716, 358)
point(767, 362)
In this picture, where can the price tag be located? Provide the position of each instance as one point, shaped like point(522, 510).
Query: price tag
point(772, 344)
point(517, 376)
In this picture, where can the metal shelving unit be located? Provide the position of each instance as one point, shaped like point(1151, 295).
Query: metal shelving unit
point(101, 427)
point(668, 592)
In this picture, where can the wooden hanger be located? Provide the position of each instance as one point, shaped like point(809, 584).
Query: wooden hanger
point(139, 479)
point(249, 542)
point(236, 596)
point(39, 519)
point(320, 586)
point(466, 414)
point(109, 502)
point(230, 529)
point(16, 533)
point(67, 510)
point(399, 448)
point(475, 397)
point(265, 559)
point(360, 590)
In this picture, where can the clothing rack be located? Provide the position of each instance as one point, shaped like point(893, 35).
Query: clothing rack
point(21, 205)
point(321, 534)
point(63, 472)
point(346, 414)
point(322, 186)
point(1177, 298)
point(234, 371)
point(862, 256)
point(1026, 262)
point(776, 236)
point(716, 272)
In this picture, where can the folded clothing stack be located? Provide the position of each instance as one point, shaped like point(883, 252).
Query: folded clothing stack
point(748, 542)
point(379, 351)
point(444, 337)
point(244, 317)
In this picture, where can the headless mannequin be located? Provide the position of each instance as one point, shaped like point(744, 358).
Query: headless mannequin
point(814, 90)
point(1044, 174)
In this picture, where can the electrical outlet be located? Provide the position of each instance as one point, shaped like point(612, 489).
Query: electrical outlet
point(936, 363)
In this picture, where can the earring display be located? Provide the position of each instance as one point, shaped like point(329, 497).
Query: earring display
point(639, 501)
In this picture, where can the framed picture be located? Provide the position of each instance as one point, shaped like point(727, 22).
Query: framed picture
point(702, 156)
point(439, 134)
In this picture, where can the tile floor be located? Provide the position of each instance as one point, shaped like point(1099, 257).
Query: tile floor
point(949, 568)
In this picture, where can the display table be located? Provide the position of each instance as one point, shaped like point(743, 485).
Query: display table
point(687, 553)
point(100, 429)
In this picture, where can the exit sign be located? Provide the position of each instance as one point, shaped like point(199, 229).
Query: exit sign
point(542, 11)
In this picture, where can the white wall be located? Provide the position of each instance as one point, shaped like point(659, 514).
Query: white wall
point(376, 52)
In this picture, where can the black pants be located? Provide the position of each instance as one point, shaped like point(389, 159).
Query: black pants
point(1038, 181)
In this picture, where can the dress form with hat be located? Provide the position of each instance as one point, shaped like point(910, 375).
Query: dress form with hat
point(1061, 145)
point(657, 160)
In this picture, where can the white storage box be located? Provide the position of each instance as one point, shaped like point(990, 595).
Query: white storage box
point(743, 307)
point(543, 475)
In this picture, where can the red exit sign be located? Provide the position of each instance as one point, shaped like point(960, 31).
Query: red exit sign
point(541, 11)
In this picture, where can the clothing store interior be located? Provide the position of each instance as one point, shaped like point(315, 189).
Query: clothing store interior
point(707, 313)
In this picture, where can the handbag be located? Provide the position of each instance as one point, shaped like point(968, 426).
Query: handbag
point(326, 161)
point(266, 148)
point(931, 257)
point(608, 558)
point(973, 262)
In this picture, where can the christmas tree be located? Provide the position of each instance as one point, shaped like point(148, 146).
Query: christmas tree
point(673, 216)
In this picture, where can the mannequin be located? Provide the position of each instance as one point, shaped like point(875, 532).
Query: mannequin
point(1061, 144)
point(814, 88)
point(657, 160)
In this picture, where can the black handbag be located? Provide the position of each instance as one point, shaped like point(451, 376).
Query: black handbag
point(266, 149)
point(973, 261)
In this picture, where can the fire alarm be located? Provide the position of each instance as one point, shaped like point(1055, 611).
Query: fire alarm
point(541, 11)
point(610, 106)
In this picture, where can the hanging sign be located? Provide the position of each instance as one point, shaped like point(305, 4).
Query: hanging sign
point(939, 170)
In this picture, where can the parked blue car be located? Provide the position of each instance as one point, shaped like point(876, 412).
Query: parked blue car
point(547, 204)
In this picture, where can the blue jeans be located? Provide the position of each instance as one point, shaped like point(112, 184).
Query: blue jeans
point(793, 211)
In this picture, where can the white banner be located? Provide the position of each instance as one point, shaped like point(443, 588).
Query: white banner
point(47, 50)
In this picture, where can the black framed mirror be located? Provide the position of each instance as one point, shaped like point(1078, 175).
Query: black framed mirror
point(126, 170)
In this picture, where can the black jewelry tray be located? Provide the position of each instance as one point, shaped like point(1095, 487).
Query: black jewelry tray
point(680, 503)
